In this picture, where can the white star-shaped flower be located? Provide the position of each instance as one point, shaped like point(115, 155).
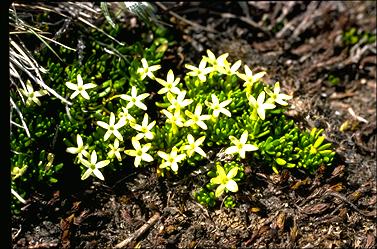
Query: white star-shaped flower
point(276, 96)
point(178, 102)
point(200, 71)
point(226, 68)
point(80, 88)
point(171, 160)
point(134, 99)
point(80, 150)
point(112, 128)
point(250, 78)
point(144, 128)
point(193, 146)
point(115, 150)
point(170, 85)
point(147, 70)
point(197, 118)
point(216, 62)
point(240, 146)
point(218, 107)
point(93, 166)
point(259, 106)
point(31, 95)
point(225, 180)
point(139, 152)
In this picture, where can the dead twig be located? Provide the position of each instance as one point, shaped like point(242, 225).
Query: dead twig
point(163, 7)
point(343, 198)
point(139, 231)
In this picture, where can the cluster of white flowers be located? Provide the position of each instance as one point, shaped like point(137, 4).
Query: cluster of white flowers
point(177, 115)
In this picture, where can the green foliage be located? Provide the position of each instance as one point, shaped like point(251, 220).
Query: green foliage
point(334, 80)
point(354, 35)
point(123, 110)
point(38, 159)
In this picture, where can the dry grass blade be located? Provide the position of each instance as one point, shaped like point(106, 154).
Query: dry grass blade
point(36, 78)
point(21, 116)
point(45, 43)
point(106, 13)
point(21, 59)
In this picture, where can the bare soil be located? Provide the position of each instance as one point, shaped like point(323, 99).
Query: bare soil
point(298, 44)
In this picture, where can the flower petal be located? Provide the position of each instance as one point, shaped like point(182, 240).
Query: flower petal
point(74, 94)
point(141, 105)
point(102, 164)
point(79, 141)
point(174, 167)
point(200, 151)
point(163, 155)
point(79, 80)
point(85, 95)
point(87, 173)
point(118, 135)
point(232, 186)
point(89, 86)
point(250, 147)
point(170, 76)
point(232, 173)
point(146, 157)
point(220, 190)
point(93, 157)
point(71, 85)
point(98, 174)
point(107, 135)
point(244, 137)
point(231, 150)
point(137, 161)
point(131, 152)
point(103, 124)
point(72, 150)
point(226, 112)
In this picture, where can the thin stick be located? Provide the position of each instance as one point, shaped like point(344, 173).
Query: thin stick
point(100, 30)
point(139, 231)
point(163, 7)
point(18, 196)
point(50, 90)
point(21, 116)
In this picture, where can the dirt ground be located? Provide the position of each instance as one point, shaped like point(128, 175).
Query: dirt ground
point(298, 44)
